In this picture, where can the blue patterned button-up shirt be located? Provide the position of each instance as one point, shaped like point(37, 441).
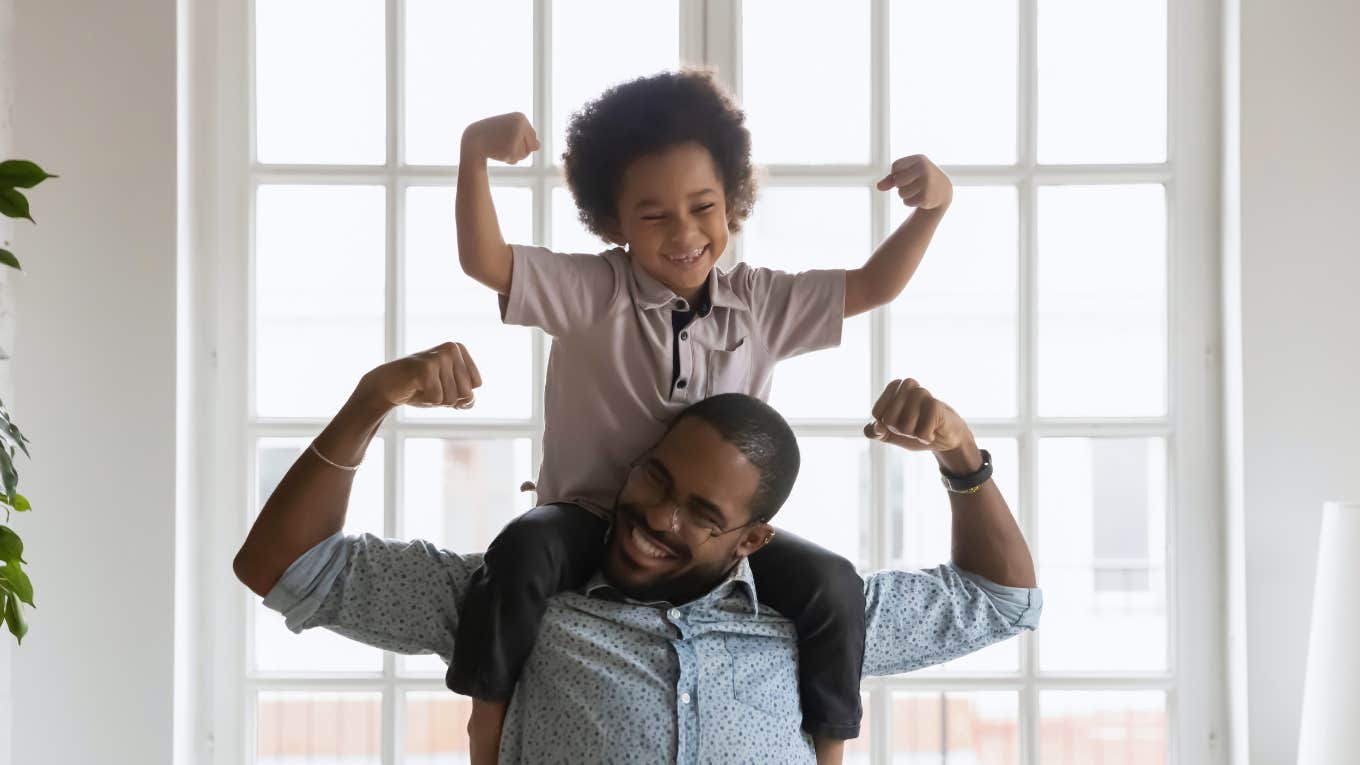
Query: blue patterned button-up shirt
point(614, 680)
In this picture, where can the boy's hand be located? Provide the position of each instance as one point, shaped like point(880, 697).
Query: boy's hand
point(505, 137)
point(919, 182)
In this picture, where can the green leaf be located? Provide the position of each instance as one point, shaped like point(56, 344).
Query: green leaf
point(20, 503)
point(8, 475)
point(22, 174)
point(11, 546)
point(14, 204)
point(10, 431)
point(17, 626)
point(7, 258)
point(19, 583)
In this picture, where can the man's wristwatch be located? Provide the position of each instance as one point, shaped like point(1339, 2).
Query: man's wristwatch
point(968, 484)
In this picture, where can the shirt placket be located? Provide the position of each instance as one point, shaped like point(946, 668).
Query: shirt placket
point(684, 384)
point(686, 690)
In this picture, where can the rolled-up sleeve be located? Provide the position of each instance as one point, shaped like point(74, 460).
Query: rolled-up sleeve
point(396, 595)
point(794, 313)
point(916, 619)
point(556, 292)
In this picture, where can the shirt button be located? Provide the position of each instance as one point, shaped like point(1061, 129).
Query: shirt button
point(684, 698)
point(684, 335)
point(680, 305)
point(680, 384)
point(674, 614)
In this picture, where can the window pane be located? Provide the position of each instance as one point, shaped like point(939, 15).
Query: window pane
point(962, 112)
point(319, 276)
point(830, 501)
point(586, 61)
point(441, 99)
point(1102, 301)
point(797, 229)
point(954, 327)
point(934, 727)
point(1079, 727)
point(321, 81)
point(459, 494)
point(307, 728)
point(435, 732)
point(805, 80)
point(568, 233)
point(925, 531)
point(1102, 81)
point(1102, 561)
point(276, 649)
point(443, 304)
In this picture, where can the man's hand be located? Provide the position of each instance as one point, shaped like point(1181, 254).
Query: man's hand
point(505, 137)
point(906, 415)
point(919, 182)
point(441, 376)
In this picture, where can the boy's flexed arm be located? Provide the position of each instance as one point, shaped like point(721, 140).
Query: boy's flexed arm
point(482, 250)
point(921, 185)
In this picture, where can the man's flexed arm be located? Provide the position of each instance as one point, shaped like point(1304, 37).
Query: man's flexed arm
point(310, 502)
point(986, 540)
point(482, 250)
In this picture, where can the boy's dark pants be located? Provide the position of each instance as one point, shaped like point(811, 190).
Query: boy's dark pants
point(558, 547)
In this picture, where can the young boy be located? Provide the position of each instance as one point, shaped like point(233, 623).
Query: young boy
point(661, 167)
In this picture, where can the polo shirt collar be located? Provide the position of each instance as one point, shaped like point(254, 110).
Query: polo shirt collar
point(652, 294)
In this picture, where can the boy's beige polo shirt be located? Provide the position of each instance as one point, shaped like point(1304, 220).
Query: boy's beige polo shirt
point(609, 393)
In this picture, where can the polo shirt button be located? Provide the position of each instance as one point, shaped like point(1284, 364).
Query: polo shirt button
point(674, 613)
point(684, 698)
point(680, 305)
point(680, 384)
point(684, 335)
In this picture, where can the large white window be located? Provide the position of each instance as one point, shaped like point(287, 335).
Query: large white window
point(1061, 310)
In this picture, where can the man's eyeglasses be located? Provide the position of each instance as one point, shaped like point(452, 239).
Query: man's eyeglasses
point(648, 486)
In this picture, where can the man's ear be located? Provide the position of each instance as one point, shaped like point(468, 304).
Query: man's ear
point(755, 537)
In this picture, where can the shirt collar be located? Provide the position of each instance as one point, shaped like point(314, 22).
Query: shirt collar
point(651, 293)
point(740, 577)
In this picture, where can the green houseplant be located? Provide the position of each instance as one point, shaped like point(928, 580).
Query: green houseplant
point(15, 587)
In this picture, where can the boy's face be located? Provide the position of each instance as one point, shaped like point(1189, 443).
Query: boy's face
point(672, 215)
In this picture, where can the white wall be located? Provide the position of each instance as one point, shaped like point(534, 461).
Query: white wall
point(95, 378)
point(1300, 347)
point(6, 329)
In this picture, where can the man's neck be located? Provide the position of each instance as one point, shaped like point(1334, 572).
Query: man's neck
point(675, 593)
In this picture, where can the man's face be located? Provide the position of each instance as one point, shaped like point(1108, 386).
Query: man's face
point(648, 559)
point(672, 214)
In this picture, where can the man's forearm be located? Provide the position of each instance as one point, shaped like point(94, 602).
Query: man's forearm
point(884, 275)
point(986, 539)
point(310, 502)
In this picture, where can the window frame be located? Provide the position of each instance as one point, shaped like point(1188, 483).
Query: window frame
point(219, 87)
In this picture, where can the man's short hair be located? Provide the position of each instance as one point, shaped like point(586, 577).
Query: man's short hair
point(762, 436)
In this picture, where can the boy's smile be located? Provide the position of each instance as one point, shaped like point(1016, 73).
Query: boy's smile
point(672, 215)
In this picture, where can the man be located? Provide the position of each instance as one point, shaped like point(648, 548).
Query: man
point(665, 656)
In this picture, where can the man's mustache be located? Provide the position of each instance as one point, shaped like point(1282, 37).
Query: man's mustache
point(639, 519)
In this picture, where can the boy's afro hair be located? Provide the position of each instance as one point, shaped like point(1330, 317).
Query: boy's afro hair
point(645, 116)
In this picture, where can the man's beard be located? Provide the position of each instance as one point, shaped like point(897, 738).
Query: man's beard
point(685, 584)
